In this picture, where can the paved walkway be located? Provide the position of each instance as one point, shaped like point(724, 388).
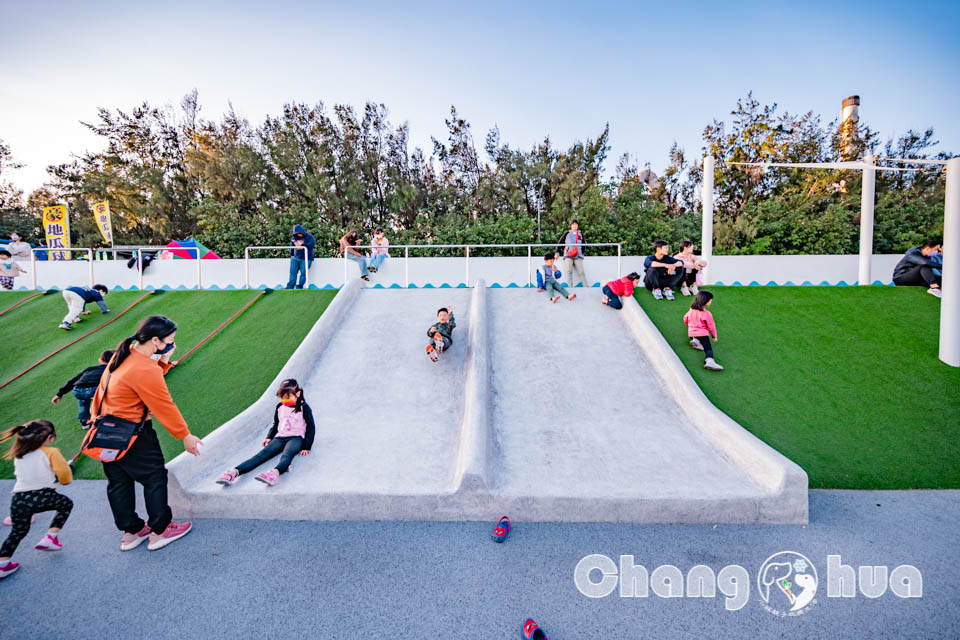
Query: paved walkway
point(253, 579)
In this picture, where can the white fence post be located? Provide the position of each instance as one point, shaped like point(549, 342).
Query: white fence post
point(306, 268)
point(467, 282)
point(867, 193)
point(406, 267)
point(950, 302)
point(706, 237)
point(33, 267)
point(246, 267)
point(90, 259)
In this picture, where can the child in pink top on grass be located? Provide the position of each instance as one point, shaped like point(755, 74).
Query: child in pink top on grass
point(700, 327)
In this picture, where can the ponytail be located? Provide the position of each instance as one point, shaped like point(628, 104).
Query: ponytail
point(150, 328)
point(29, 437)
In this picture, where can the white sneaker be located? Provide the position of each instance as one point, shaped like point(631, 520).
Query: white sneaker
point(668, 293)
point(696, 344)
point(657, 294)
point(712, 365)
point(685, 290)
point(65, 326)
point(694, 290)
point(935, 292)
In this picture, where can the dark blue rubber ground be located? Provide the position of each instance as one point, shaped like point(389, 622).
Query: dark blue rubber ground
point(266, 579)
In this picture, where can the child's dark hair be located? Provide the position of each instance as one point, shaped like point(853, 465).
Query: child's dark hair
point(701, 300)
point(442, 309)
point(29, 437)
point(548, 256)
point(633, 275)
point(931, 243)
point(5, 254)
point(292, 387)
point(152, 327)
point(659, 243)
point(685, 243)
point(106, 356)
point(101, 288)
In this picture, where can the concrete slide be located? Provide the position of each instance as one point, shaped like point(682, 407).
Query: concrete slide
point(545, 412)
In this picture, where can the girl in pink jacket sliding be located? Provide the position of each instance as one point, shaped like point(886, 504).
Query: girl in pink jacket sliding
point(700, 327)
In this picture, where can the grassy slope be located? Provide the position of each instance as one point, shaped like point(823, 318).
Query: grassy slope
point(845, 381)
point(218, 381)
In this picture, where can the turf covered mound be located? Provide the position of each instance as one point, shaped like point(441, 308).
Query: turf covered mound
point(218, 381)
point(844, 381)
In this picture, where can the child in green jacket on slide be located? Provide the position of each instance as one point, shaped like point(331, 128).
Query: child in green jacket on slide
point(441, 333)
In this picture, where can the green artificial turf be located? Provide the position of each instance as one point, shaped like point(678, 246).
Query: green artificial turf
point(214, 384)
point(844, 381)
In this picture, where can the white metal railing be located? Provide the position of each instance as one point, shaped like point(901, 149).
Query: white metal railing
point(33, 260)
point(140, 249)
point(406, 255)
point(246, 262)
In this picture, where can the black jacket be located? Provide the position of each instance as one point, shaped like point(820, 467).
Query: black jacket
point(89, 377)
point(913, 258)
point(308, 418)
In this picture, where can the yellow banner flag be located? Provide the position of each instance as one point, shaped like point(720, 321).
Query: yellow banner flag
point(56, 226)
point(101, 213)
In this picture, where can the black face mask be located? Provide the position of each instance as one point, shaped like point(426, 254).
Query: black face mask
point(166, 349)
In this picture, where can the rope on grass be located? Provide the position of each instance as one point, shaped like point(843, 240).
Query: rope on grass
point(225, 323)
point(111, 320)
point(27, 299)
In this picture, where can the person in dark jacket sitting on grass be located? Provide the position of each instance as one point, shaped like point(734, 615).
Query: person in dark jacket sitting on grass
point(919, 268)
point(84, 386)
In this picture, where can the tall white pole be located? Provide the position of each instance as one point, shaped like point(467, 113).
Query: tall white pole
point(706, 236)
point(867, 194)
point(950, 303)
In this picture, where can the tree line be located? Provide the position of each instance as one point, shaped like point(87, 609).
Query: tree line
point(169, 173)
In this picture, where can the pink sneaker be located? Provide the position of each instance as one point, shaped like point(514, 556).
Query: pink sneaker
point(227, 478)
point(49, 543)
point(9, 522)
point(8, 568)
point(174, 531)
point(134, 540)
point(269, 477)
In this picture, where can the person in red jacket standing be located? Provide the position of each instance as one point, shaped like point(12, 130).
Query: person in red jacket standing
point(616, 288)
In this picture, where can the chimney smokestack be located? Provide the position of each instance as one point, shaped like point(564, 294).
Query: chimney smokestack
point(849, 117)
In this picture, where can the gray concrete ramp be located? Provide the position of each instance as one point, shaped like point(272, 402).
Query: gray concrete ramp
point(551, 412)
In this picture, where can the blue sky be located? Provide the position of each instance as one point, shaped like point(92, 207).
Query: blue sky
point(656, 72)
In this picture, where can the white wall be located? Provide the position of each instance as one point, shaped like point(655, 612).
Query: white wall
point(329, 272)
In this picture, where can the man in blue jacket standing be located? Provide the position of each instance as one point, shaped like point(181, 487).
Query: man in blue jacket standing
point(300, 260)
point(919, 267)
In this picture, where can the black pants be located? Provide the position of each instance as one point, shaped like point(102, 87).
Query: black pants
point(658, 278)
point(614, 300)
point(705, 342)
point(287, 448)
point(689, 279)
point(919, 276)
point(143, 464)
point(26, 503)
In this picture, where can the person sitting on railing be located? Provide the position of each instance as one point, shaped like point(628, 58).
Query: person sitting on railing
point(300, 259)
point(663, 271)
point(347, 248)
point(379, 251)
point(917, 268)
point(570, 246)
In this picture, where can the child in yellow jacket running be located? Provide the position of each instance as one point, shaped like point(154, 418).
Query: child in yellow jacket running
point(37, 466)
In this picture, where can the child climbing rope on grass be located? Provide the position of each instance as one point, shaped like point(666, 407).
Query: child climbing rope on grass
point(291, 434)
point(441, 333)
point(36, 466)
point(548, 279)
point(700, 327)
point(84, 386)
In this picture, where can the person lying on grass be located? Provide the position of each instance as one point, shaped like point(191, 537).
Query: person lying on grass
point(441, 333)
point(291, 434)
point(548, 279)
point(621, 287)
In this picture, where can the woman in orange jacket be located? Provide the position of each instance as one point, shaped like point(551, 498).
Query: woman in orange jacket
point(132, 388)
